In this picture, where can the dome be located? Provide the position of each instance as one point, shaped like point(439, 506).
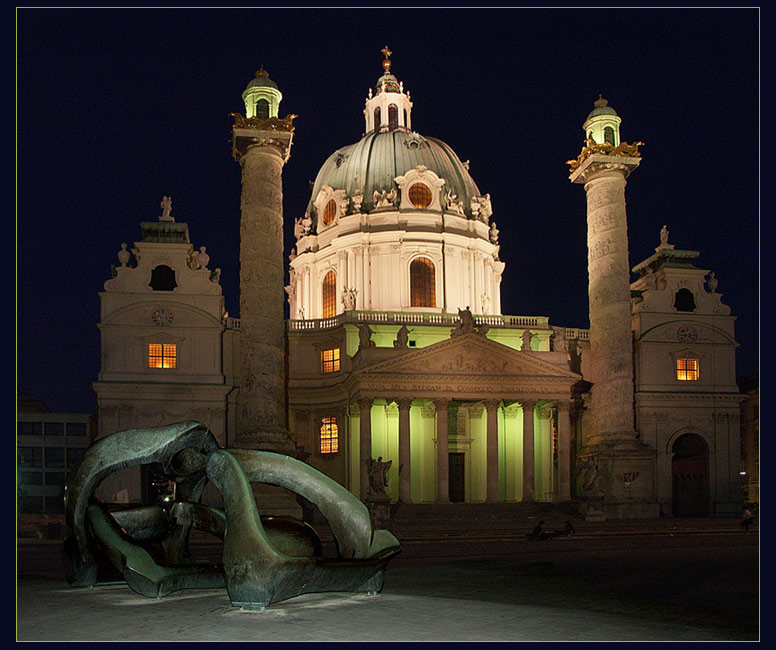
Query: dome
point(261, 80)
point(388, 83)
point(601, 108)
point(378, 158)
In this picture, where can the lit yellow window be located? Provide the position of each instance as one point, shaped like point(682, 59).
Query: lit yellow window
point(329, 436)
point(687, 369)
point(330, 360)
point(420, 195)
point(422, 283)
point(329, 297)
point(329, 212)
point(162, 355)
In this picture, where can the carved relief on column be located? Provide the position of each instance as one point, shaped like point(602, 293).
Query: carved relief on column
point(405, 472)
point(564, 451)
point(443, 458)
point(528, 449)
point(261, 400)
point(610, 308)
point(491, 406)
point(365, 442)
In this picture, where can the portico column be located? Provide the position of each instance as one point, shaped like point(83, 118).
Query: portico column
point(405, 486)
point(443, 457)
point(528, 449)
point(564, 452)
point(365, 440)
point(492, 450)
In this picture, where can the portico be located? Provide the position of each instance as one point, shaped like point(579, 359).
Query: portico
point(466, 419)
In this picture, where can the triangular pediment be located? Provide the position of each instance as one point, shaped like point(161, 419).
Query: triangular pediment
point(471, 355)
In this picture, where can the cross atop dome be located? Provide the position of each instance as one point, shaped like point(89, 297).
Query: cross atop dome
point(387, 60)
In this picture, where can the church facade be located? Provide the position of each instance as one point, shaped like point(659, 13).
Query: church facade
point(397, 350)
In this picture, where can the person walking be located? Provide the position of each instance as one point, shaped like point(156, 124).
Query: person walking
point(746, 520)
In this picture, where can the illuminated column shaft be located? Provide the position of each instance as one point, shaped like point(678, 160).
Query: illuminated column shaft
point(609, 297)
point(261, 405)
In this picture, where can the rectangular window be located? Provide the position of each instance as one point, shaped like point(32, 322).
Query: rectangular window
point(30, 456)
point(76, 429)
point(54, 429)
point(30, 505)
point(330, 360)
point(687, 369)
point(55, 457)
point(74, 456)
point(162, 355)
point(30, 478)
point(329, 436)
point(30, 428)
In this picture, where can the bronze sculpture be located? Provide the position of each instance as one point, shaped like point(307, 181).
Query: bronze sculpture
point(264, 560)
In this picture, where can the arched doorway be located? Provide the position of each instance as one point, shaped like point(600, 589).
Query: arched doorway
point(690, 476)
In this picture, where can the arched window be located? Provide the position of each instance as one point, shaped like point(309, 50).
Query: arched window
point(609, 135)
point(422, 283)
point(329, 436)
point(162, 278)
point(329, 295)
point(262, 109)
point(377, 118)
point(393, 116)
point(405, 119)
point(419, 195)
point(329, 212)
point(684, 300)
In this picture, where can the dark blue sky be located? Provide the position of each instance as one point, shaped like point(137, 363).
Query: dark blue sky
point(116, 108)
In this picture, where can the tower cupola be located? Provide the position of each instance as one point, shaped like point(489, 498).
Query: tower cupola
point(262, 97)
point(388, 106)
point(603, 123)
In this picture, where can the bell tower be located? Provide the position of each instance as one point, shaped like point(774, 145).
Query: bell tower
point(261, 143)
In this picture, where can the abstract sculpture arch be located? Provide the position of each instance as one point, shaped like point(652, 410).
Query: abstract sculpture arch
point(264, 560)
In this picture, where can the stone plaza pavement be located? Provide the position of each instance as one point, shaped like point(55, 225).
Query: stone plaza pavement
point(656, 587)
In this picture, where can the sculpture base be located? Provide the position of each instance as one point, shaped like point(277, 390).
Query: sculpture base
point(591, 507)
point(380, 509)
point(626, 480)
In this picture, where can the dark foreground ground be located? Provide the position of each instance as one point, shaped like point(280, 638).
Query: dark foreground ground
point(608, 584)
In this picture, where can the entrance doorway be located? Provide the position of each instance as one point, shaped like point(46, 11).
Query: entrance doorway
point(456, 477)
point(690, 476)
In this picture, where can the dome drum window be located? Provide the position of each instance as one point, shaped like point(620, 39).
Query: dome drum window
point(330, 205)
point(422, 283)
point(419, 195)
point(329, 295)
point(329, 212)
point(420, 190)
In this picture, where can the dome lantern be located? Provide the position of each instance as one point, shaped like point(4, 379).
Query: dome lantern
point(388, 106)
point(603, 123)
point(262, 97)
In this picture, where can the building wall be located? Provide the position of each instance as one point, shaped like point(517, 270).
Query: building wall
point(668, 407)
point(49, 448)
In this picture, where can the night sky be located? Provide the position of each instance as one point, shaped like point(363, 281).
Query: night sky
point(117, 108)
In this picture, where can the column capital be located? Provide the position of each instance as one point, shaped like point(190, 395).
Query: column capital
point(364, 402)
point(528, 403)
point(492, 404)
point(403, 403)
point(441, 402)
